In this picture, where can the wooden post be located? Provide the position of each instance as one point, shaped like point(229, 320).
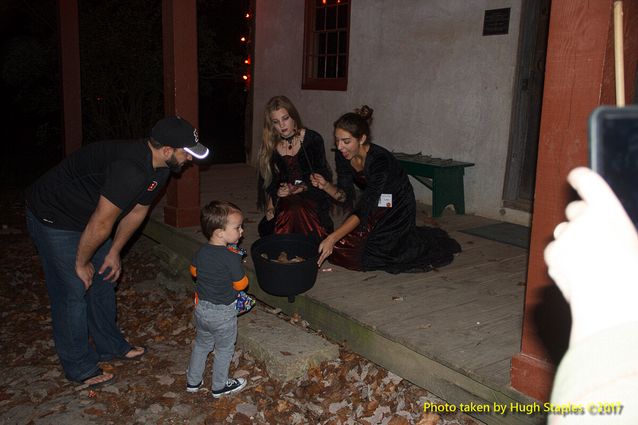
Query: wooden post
point(69, 43)
point(179, 21)
point(579, 76)
point(619, 68)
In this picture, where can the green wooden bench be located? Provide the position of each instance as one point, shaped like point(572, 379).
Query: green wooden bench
point(443, 176)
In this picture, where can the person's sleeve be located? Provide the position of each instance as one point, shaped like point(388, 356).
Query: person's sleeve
point(261, 193)
point(124, 181)
point(237, 273)
point(345, 179)
point(316, 156)
point(376, 179)
point(277, 177)
point(600, 370)
point(193, 267)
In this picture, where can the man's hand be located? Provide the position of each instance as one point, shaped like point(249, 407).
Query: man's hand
point(85, 272)
point(113, 262)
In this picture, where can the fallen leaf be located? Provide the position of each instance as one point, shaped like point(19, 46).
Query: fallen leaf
point(429, 419)
point(398, 420)
point(94, 411)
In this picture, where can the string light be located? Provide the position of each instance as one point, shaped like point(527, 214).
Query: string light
point(247, 61)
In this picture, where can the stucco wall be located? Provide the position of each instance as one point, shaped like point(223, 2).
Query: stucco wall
point(437, 85)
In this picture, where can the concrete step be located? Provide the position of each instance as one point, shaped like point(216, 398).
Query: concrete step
point(288, 351)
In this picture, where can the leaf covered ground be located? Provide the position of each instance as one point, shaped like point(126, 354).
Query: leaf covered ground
point(33, 390)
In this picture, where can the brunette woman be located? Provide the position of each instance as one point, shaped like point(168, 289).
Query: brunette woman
point(381, 231)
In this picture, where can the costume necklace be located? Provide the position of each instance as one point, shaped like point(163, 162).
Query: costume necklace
point(290, 140)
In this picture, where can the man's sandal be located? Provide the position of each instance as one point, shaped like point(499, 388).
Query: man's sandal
point(128, 357)
point(98, 378)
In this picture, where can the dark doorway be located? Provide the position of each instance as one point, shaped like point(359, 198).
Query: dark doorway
point(520, 176)
point(222, 90)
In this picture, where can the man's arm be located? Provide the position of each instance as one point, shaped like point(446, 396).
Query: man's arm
point(95, 233)
point(125, 229)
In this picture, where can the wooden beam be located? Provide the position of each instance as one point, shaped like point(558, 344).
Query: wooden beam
point(579, 76)
point(179, 22)
point(69, 44)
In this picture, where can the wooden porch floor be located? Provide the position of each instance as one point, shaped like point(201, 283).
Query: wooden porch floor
point(452, 331)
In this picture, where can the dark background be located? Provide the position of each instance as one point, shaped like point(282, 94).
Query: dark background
point(122, 87)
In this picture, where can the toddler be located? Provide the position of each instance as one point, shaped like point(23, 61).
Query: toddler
point(219, 275)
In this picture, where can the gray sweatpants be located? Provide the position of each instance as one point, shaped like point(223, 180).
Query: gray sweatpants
point(216, 330)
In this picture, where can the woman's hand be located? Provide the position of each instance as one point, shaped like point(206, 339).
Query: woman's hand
point(270, 214)
point(318, 181)
point(284, 190)
point(325, 249)
point(298, 188)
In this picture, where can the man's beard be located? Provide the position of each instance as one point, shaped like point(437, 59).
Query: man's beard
point(174, 165)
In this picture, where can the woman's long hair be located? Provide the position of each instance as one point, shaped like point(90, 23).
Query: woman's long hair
point(271, 137)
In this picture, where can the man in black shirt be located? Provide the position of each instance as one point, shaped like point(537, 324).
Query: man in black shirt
point(71, 213)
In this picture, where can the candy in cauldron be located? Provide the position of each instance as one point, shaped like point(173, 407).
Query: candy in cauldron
point(285, 279)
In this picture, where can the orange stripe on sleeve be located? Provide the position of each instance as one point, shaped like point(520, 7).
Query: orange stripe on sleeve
point(193, 270)
point(241, 284)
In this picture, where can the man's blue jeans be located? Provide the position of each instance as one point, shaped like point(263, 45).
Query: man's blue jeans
point(76, 313)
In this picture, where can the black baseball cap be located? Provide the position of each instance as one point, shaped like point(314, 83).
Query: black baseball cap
point(176, 132)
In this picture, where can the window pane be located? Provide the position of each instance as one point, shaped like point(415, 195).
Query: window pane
point(331, 18)
point(343, 41)
point(332, 43)
point(321, 67)
point(331, 67)
point(321, 43)
point(341, 70)
point(343, 16)
point(320, 18)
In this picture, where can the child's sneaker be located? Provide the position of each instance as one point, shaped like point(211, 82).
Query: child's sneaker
point(194, 388)
point(232, 386)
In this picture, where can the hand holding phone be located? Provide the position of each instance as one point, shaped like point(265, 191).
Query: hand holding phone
point(613, 140)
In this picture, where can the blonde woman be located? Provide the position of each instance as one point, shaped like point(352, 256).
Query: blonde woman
point(289, 154)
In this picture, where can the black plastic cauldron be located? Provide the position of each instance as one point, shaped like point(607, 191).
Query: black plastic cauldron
point(286, 279)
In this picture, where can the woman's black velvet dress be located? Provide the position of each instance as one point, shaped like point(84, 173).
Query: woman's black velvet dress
point(387, 237)
point(308, 211)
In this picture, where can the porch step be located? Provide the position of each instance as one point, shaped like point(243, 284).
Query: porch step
point(287, 350)
point(423, 369)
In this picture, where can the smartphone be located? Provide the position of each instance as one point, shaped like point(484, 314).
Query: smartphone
point(613, 143)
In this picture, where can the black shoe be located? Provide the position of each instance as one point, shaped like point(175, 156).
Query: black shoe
point(194, 388)
point(232, 386)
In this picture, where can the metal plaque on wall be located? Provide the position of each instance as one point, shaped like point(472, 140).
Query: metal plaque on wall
point(496, 21)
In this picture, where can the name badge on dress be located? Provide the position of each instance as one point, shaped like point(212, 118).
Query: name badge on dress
point(385, 201)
